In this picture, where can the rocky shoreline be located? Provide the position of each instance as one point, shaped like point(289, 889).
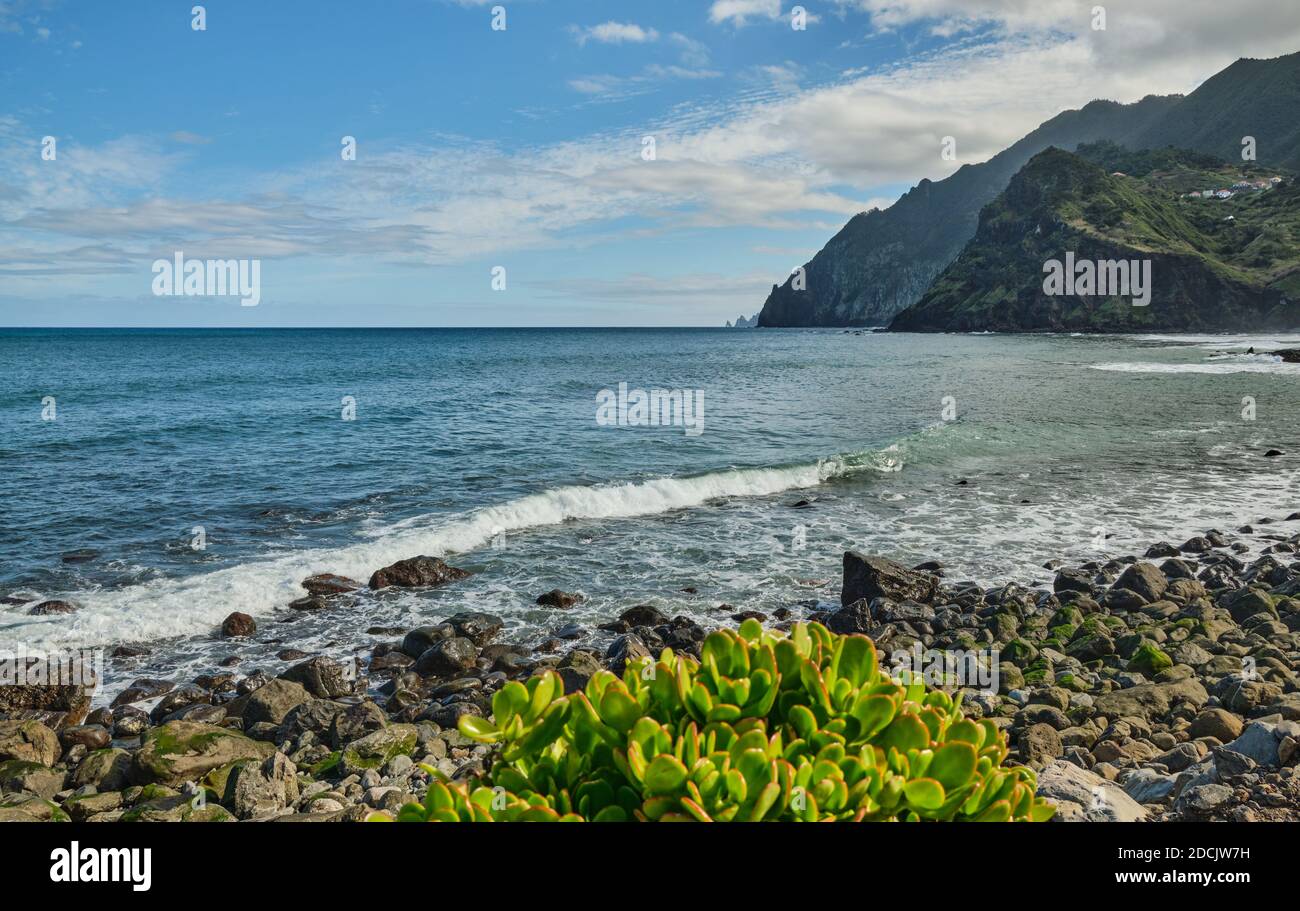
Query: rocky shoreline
point(1160, 687)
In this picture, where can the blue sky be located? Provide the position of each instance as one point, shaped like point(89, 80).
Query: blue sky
point(521, 148)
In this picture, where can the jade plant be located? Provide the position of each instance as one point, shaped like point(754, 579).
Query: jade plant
point(803, 726)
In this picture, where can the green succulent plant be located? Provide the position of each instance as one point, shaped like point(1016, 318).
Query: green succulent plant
point(803, 726)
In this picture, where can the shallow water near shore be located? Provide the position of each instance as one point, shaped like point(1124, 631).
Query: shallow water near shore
point(482, 446)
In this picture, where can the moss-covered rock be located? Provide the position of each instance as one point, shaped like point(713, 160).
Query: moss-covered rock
point(82, 807)
point(32, 777)
point(104, 770)
point(376, 749)
point(1149, 660)
point(29, 741)
point(185, 751)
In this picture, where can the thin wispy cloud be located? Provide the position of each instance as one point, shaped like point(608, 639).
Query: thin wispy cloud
point(614, 33)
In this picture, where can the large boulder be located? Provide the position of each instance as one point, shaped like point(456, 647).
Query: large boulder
point(355, 722)
point(878, 577)
point(1145, 580)
point(272, 702)
point(330, 584)
point(377, 749)
point(323, 677)
point(256, 791)
point(557, 598)
point(1083, 796)
point(476, 626)
point(29, 741)
point(448, 658)
point(417, 572)
point(181, 751)
point(238, 625)
point(17, 776)
point(1150, 700)
point(104, 770)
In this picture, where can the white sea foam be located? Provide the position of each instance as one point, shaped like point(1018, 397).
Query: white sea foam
point(167, 608)
point(1222, 366)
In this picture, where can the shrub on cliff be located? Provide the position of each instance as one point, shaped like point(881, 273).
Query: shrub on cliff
point(765, 726)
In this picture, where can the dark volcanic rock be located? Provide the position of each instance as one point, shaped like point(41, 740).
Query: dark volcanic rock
point(557, 598)
point(323, 677)
point(476, 626)
point(628, 647)
point(330, 584)
point(422, 638)
point(1145, 580)
point(238, 624)
point(447, 658)
point(46, 608)
point(417, 572)
point(851, 618)
point(879, 577)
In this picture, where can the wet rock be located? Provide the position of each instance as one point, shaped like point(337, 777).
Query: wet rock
point(867, 577)
point(1144, 579)
point(128, 651)
point(851, 618)
point(447, 658)
point(129, 721)
point(142, 689)
point(640, 615)
point(49, 608)
point(323, 677)
point(627, 647)
point(420, 640)
point(559, 599)
point(476, 626)
point(238, 625)
point(1073, 580)
point(179, 698)
point(417, 572)
point(330, 584)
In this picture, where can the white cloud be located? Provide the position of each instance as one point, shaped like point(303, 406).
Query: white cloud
point(771, 157)
point(739, 12)
point(615, 33)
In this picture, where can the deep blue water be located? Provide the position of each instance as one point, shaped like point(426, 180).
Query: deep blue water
point(483, 446)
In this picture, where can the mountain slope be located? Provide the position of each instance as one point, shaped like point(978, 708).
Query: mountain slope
point(882, 262)
point(1259, 98)
point(1215, 265)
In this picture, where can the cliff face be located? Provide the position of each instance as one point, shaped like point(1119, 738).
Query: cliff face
point(882, 262)
point(1208, 269)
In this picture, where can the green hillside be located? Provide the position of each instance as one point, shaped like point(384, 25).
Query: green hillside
point(1217, 264)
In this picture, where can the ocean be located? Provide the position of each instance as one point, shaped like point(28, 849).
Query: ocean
point(161, 479)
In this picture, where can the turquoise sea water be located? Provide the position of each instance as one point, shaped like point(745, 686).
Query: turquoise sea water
point(482, 446)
